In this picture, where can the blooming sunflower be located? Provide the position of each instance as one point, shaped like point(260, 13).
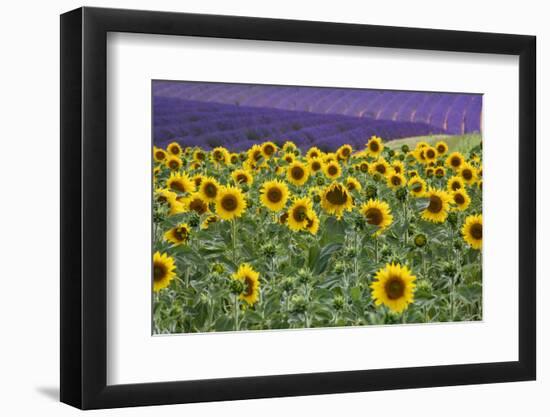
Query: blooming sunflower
point(336, 199)
point(438, 207)
point(209, 189)
point(254, 155)
point(197, 179)
point(455, 183)
point(455, 160)
point(179, 234)
point(380, 166)
point(242, 176)
point(196, 202)
point(220, 155)
point(299, 213)
point(472, 231)
point(163, 195)
point(332, 169)
point(375, 146)
point(412, 173)
point(268, 149)
point(174, 163)
point(430, 154)
point(364, 167)
point(352, 184)
point(199, 156)
point(395, 180)
point(468, 173)
point(297, 173)
point(344, 151)
point(208, 221)
point(289, 146)
point(398, 167)
point(315, 164)
point(394, 287)
point(417, 186)
point(312, 225)
point(439, 172)
point(461, 199)
point(159, 154)
point(230, 203)
point(314, 152)
point(251, 283)
point(441, 147)
point(234, 158)
point(274, 195)
point(377, 213)
point(163, 270)
point(289, 158)
point(174, 149)
point(180, 183)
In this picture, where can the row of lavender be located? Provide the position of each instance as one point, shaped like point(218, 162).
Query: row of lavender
point(450, 112)
point(204, 124)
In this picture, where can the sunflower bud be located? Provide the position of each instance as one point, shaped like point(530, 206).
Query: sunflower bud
point(298, 304)
point(391, 153)
point(423, 289)
point(452, 218)
point(317, 198)
point(268, 250)
point(420, 240)
point(320, 180)
point(371, 192)
point(401, 194)
point(405, 148)
point(351, 170)
point(236, 286)
point(304, 276)
point(359, 223)
point(340, 267)
point(338, 302)
point(218, 268)
point(401, 157)
point(449, 269)
point(287, 284)
point(377, 177)
point(194, 220)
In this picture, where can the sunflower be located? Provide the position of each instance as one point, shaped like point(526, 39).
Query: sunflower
point(163, 195)
point(332, 169)
point(344, 151)
point(209, 189)
point(472, 231)
point(336, 199)
point(254, 155)
point(395, 180)
point(289, 146)
point(234, 158)
point(438, 206)
point(430, 154)
point(179, 234)
point(364, 167)
point(461, 199)
point(208, 221)
point(297, 173)
point(314, 152)
point(455, 160)
point(251, 283)
point(299, 213)
point(377, 213)
point(375, 146)
point(412, 173)
point(352, 184)
point(441, 147)
point(196, 202)
point(199, 156)
point(174, 149)
point(274, 195)
point(220, 155)
point(417, 186)
point(197, 179)
point(398, 167)
point(468, 173)
point(394, 287)
point(174, 163)
point(455, 183)
point(242, 176)
point(312, 225)
point(163, 270)
point(180, 183)
point(268, 149)
point(230, 203)
point(429, 172)
point(380, 166)
point(289, 158)
point(315, 164)
point(159, 154)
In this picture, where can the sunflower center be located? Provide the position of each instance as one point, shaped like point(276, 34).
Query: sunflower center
point(229, 202)
point(397, 169)
point(455, 186)
point(459, 199)
point(160, 155)
point(455, 161)
point(316, 166)
point(178, 186)
point(180, 233)
point(218, 155)
point(395, 288)
point(242, 179)
point(476, 230)
point(210, 190)
point(173, 164)
point(297, 173)
point(345, 152)
point(200, 156)
point(467, 174)
point(364, 167)
point(257, 155)
point(441, 149)
point(374, 216)
point(197, 206)
point(430, 153)
point(381, 168)
point(313, 154)
point(417, 187)
point(395, 180)
point(332, 170)
point(436, 204)
point(159, 271)
point(274, 195)
point(374, 146)
point(351, 186)
point(337, 196)
point(249, 286)
point(439, 172)
point(268, 149)
point(299, 213)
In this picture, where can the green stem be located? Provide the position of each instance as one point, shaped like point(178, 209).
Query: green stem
point(234, 239)
point(376, 249)
point(356, 257)
point(236, 312)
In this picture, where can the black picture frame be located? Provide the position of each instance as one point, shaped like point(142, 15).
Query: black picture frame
point(84, 207)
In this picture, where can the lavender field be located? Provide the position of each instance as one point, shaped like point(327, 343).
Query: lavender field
point(238, 115)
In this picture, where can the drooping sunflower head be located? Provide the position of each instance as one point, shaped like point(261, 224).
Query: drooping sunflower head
point(196, 202)
point(220, 155)
point(289, 146)
point(251, 283)
point(299, 213)
point(438, 206)
point(164, 270)
point(352, 184)
point(455, 160)
point(314, 152)
point(159, 154)
point(209, 189)
point(344, 152)
point(417, 186)
point(230, 203)
point(468, 173)
point(441, 147)
point(336, 199)
point(332, 169)
point(208, 221)
point(297, 173)
point(268, 149)
point(178, 235)
point(461, 199)
point(274, 195)
point(180, 183)
point(375, 146)
point(377, 213)
point(472, 231)
point(174, 163)
point(455, 183)
point(395, 180)
point(242, 176)
point(197, 179)
point(380, 166)
point(394, 287)
point(174, 149)
point(315, 164)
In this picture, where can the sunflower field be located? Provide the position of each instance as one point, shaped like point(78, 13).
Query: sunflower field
point(278, 237)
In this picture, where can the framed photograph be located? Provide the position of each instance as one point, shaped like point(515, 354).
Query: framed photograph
point(259, 208)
